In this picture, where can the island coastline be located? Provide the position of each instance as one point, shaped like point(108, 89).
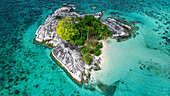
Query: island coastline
point(79, 83)
point(51, 39)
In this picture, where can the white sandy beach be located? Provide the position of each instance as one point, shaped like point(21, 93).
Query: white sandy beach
point(104, 52)
point(104, 63)
point(118, 58)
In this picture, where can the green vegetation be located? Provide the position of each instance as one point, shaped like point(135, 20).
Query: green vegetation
point(77, 19)
point(66, 31)
point(96, 47)
point(93, 47)
point(58, 17)
point(90, 27)
point(86, 52)
point(78, 31)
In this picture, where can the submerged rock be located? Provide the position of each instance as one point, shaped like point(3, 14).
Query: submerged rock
point(93, 7)
point(149, 14)
point(96, 67)
point(107, 90)
point(113, 13)
point(16, 92)
point(119, 29)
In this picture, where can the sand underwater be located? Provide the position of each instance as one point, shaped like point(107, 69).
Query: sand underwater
point(139, 66)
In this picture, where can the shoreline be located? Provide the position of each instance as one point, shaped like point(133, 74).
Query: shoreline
point(68, 73)
point(103, 51)
point(103, 61)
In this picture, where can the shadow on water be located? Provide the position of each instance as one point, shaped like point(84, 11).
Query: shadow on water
point(107, 90)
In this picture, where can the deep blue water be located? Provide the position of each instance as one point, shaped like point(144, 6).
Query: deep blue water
point(26, 68)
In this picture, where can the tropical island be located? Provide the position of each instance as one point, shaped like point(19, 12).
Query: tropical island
point(77, 39)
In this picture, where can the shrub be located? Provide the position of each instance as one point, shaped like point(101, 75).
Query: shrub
point(85, 49)
point(58, 17)
point(92, 52)
point(88, 58)
point(79, 42)
point(97, 52)
point(98, 38)
point(100, 45)
point(72, 41)
point(77, 18)
point(93, 43)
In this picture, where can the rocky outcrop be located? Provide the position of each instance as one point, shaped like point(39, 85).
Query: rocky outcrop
point(118, 29)
point(70, 60)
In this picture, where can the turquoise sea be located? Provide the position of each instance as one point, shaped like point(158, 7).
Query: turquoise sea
point(139, 66)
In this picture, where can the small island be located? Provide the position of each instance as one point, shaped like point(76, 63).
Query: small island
point(76, 39)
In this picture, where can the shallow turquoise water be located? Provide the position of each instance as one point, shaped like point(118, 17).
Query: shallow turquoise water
point(26, 68)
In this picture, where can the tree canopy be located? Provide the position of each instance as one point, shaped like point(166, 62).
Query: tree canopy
point(66, 31)
point(80, 30)
point(90, 27)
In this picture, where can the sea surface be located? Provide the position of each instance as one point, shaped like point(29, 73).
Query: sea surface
point(139, 66)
